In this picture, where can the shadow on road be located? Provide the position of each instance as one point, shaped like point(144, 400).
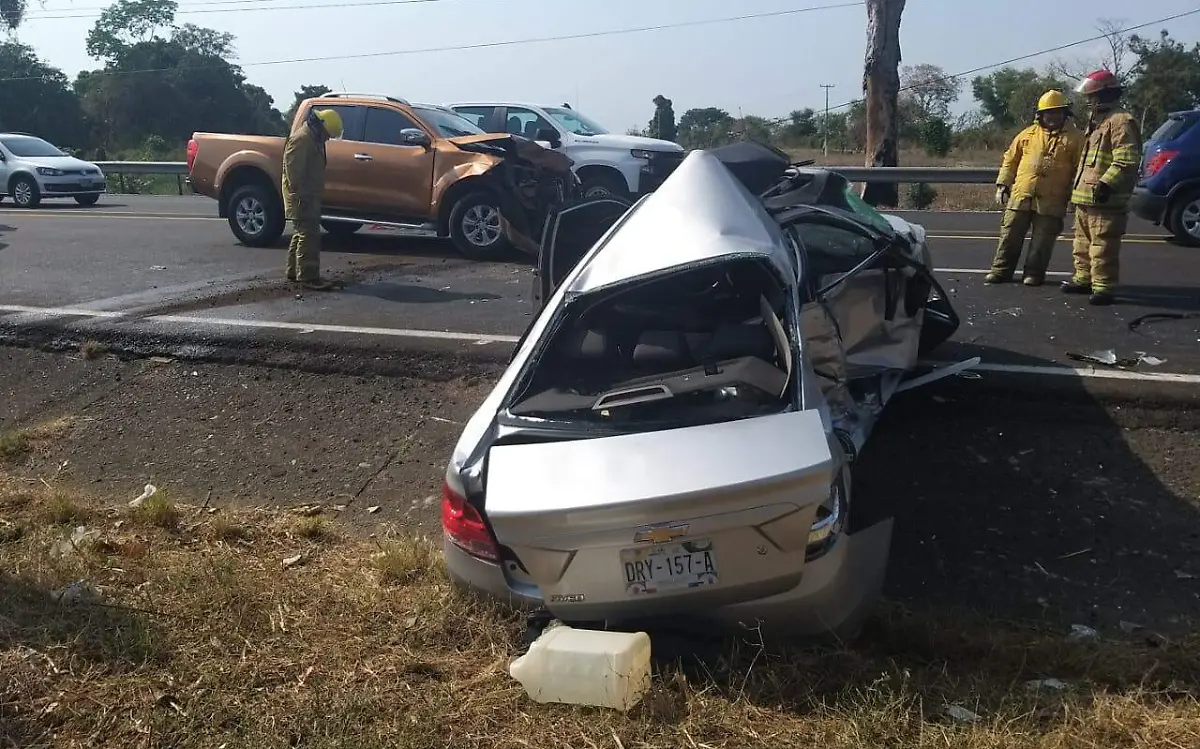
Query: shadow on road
point(1176, 298)
point(406, 293)
point(4, 229)
point(1030, 499)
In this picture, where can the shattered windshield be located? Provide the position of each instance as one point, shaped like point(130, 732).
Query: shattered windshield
point(576, 122)
point(701, 346)
point(864, 209)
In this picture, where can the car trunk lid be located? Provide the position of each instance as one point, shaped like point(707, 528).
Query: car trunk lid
point(634, 523)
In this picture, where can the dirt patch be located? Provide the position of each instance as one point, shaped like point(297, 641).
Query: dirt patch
point(238, 628)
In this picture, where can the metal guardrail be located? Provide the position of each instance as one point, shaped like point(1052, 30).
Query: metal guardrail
point(892, 174)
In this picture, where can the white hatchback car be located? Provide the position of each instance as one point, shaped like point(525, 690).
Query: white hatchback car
point(32, 170)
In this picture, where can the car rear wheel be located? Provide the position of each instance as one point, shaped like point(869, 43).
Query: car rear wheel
point(475, 226)
point(1183, 220)
point(25, 192)
point(255, 216)
point(87, 200)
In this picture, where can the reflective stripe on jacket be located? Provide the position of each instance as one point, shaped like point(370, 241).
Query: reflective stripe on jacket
point(1038, 167)
point(1112, 154)
point(303, 167)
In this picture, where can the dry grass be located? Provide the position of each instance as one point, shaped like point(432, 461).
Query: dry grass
point(92, 350)
point(203, 638)
point(18, 443)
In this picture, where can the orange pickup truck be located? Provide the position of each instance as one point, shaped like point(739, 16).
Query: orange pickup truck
point(403, 165)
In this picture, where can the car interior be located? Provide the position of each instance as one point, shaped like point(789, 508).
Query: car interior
point(709, 339)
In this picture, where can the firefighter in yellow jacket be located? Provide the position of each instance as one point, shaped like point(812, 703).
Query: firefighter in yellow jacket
point(303, 188)
point(1104, 181)
point(1034, 186)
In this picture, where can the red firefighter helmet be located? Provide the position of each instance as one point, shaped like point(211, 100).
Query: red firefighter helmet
point(1094, 83)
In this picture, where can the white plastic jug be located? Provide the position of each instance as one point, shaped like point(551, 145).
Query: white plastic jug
point(586, 667)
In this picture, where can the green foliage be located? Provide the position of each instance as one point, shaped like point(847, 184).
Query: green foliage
point(920, 196)
point(705, 127)
point(12, 12)
point(662, 126)
point(936, 137)
point(303, 93)
point(1009, 95)
point(1166, 78)
point(43, 103)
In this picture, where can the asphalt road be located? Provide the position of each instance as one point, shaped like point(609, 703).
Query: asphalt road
point(169, 265)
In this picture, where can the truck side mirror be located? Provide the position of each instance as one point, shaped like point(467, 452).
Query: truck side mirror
point(549, 135)
point(411, 136)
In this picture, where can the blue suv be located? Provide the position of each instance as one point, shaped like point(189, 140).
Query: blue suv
point(1168, 188)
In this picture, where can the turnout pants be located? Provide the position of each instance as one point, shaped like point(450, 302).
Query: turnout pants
point(304, 251)
point(1098, 233)
point(1013, 228)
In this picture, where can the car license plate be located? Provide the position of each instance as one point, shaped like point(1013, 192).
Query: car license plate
point(666, 567)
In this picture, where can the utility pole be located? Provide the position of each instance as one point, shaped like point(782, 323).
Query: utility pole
point(825, 121)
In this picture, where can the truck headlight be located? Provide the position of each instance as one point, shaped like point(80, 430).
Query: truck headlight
point(641, 153)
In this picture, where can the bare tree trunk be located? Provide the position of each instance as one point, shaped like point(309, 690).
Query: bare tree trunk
point(881, 89)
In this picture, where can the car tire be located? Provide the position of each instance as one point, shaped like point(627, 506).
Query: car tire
point(1185, 211)
point(87, 200)
point(475, 226)
point(604, 185)
point(341, 228)
point(255, 215)
point(25, 192)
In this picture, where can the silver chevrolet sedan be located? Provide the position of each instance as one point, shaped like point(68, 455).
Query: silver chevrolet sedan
point(676, 431)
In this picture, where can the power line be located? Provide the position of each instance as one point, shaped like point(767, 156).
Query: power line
point(487, 45)
point(1020, 58)
point(184, 10)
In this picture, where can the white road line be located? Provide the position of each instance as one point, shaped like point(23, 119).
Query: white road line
point(485, 338)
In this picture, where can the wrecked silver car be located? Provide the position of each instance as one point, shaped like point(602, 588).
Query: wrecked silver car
point(676, 431)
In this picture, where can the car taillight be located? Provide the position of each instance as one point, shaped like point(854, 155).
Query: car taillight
point(464, 527)
point(192, 149)
point(1158, 161)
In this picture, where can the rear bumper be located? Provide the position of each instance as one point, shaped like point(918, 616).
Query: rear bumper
point(1147, 205)
point(837, 593)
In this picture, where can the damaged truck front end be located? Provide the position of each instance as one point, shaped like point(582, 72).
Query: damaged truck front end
point(675, 433)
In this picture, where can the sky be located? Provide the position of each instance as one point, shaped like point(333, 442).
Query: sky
point(764, 66)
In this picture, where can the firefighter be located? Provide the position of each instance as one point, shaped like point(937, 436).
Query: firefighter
point(1033, 187)
point(1104, 182)
point(303, 188)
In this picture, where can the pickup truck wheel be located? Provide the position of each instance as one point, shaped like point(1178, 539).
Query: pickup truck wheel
point(255, 216)
point(604, 185)
point(1183, 218)
point(475, 226)
point(340, 228)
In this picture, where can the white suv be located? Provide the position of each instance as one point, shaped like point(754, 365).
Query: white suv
point(606, 163)
point(32, 169)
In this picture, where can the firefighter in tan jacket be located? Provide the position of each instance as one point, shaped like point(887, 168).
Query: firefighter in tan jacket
point(1104, 182)
point(1034, 186)
point(303, 187)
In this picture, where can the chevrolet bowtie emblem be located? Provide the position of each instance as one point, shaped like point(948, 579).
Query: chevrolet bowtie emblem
point(660, 534)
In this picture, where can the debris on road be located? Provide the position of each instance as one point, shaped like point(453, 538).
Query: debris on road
point(373, 509)
point(293, 561)
point(1054, 685)
point(80, 539)
point(961, 714)
point(1080, 632)
point(1109, 358)
point(1129, 627)
point(80, 591)
point(586, 667)
point(147, 492)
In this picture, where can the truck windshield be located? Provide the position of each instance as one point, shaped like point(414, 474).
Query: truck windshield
point(448, 124)
point(26, 147)
point(575, 122)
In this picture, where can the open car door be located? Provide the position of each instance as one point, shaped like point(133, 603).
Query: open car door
point(569, 234)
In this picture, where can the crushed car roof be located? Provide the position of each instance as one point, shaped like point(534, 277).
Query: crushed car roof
point(701, 213)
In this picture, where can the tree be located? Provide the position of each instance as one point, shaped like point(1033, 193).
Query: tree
point(753, 127)
point(302, 93)
point(12, 12)
point(1166, 78)
point(704, 128)
point(1115, 59)
point(930, 90)
point(881, 89)
point(1009, 95)
point(663, 125)
point(41, 102)
point(936, 137)
point(126, 23)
